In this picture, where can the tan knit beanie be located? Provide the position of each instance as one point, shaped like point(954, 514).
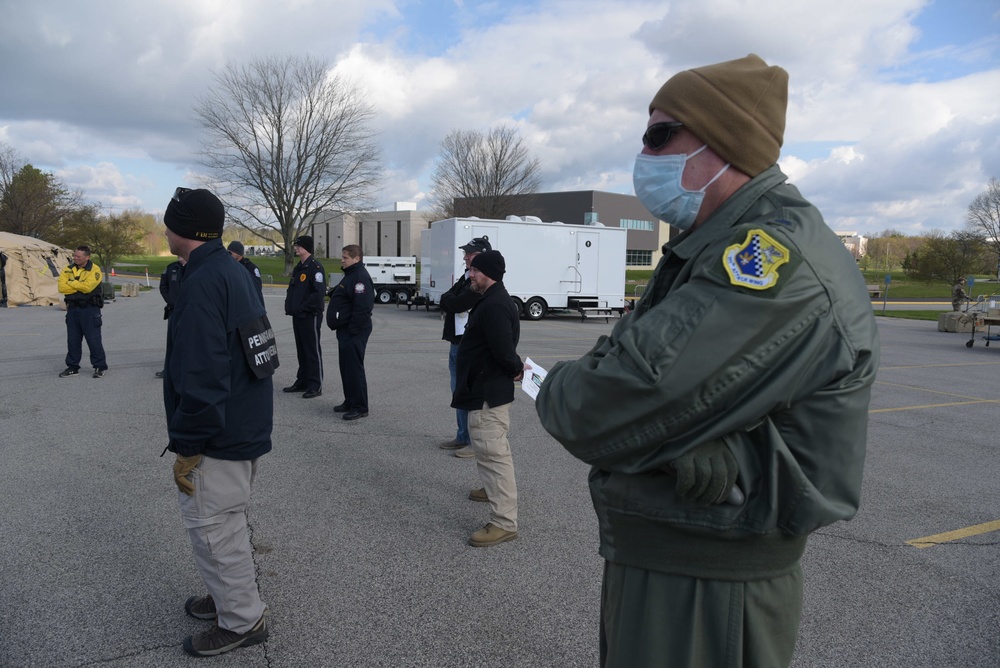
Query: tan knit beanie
point(736, 107)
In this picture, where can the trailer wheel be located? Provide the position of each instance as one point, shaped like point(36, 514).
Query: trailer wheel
point(519, 305)
point(402, 296)
point(384, 296)
point(535, 309)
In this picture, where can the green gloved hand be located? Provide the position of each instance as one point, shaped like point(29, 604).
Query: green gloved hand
point(182, 467)
point(707, 473)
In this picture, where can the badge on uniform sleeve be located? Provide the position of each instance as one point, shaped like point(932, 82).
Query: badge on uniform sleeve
point(318, 277)
point(754, 263)
point(359, 288)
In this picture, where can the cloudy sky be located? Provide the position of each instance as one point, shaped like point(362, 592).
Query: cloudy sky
point(893, 118)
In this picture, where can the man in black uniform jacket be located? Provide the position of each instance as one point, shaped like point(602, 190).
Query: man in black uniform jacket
point(304, 302)
point(236, 249)
point(350, 315)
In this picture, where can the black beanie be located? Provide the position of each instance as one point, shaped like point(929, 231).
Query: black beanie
point(305, 241)
point(490, 263)
point(236, 247)
point(195, 214)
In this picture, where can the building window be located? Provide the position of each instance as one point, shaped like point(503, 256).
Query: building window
point(638, 258)
point(630, 224)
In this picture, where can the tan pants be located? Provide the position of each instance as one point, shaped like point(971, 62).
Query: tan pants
point(488, 435)
point(216, 521)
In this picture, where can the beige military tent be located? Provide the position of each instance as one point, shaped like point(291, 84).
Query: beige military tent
point(29, 271)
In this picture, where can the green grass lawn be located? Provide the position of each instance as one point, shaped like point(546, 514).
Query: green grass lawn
point(275, 266)
point(908, 315)
point(900, 287)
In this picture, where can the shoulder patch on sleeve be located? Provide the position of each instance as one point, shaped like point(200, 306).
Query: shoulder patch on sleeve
point(318, 277)
point(359, 288)
point(754, 263)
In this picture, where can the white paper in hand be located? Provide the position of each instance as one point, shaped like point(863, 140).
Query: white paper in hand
point(534, 375)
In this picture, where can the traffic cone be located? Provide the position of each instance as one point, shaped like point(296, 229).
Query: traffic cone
point(112, 271)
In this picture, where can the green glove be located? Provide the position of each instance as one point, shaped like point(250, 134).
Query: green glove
point(182, 467)
point(707, 473)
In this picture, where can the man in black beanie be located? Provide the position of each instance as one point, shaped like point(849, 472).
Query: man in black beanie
point(304, 301)
point(486, 367)
point(236, 249)
point(725, 418)
point(218, 398)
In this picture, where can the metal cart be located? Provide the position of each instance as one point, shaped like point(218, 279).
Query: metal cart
point(985, 311)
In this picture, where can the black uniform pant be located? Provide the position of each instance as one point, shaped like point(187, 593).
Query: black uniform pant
point(84, 322)
point(307, 348)
point(351, 351)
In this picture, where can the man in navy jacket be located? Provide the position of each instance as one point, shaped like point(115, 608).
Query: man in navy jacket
point(217, 393)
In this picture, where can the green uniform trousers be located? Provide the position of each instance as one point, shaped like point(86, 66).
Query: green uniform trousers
point(650, 618)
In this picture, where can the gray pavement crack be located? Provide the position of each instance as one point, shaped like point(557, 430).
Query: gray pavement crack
point(256, 576)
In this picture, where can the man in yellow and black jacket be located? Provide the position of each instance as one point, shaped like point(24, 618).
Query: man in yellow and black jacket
point(81, 282)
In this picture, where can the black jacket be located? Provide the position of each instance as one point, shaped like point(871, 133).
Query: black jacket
point(215, 404)
point(255, 274)
point(459, 299)
point(487, 360)
point(170, 285)
point(306, 289)
point(352, 301)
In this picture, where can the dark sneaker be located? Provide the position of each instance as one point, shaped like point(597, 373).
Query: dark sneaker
point(158, 374)
point(293, 388)
point(200, 607)
point(312, 394)
point(354, 415)
point(98, 373)
point(70, 371)
point(491, 535)
point(217, 641)
point(341, 408)
point(474, 495)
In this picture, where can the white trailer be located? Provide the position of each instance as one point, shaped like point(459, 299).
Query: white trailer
point(394, 278)
point(549, 265)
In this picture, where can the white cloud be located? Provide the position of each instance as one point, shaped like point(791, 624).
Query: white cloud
point(884, 139)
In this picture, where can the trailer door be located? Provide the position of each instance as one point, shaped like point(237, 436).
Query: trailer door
point(588, 261)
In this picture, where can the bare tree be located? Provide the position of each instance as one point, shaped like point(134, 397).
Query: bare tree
point(984, 216)
point(486, 169)
point(288, 141)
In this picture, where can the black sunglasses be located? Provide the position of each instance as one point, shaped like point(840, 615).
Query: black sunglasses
point(658, 134)
point(178, 192)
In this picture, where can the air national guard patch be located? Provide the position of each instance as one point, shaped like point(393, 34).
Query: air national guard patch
point(754, 263)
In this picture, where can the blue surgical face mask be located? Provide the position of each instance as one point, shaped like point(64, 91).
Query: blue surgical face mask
point(657, 182)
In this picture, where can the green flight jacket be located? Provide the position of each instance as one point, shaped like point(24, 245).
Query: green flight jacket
point(756, 328)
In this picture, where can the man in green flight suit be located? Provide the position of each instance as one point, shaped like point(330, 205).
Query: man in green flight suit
point(726, 417)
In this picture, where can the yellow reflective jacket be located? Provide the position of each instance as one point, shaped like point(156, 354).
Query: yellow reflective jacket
point(79, 283)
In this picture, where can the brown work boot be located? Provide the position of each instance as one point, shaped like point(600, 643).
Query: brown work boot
point(200, 607)
point(491, 535)
point(219, 641)
point(453, 444)
point(478, 495)
point(465, 452)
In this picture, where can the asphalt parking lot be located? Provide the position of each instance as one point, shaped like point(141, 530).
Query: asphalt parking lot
point(359, 528)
